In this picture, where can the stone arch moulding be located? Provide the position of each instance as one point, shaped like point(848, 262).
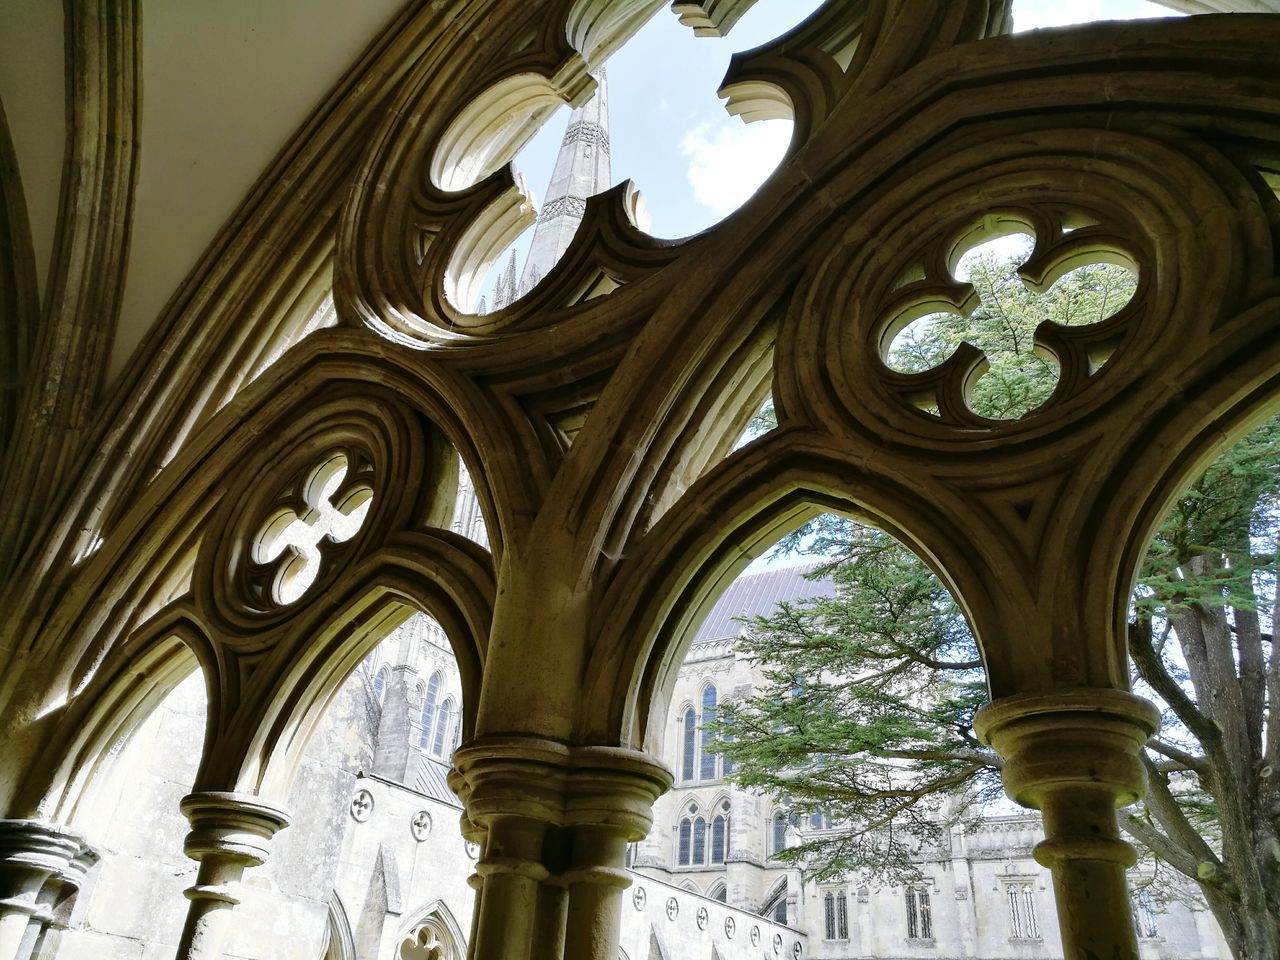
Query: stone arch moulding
point(687, 560)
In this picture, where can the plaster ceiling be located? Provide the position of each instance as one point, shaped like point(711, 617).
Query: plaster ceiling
point(32, 91)
point(225, 85)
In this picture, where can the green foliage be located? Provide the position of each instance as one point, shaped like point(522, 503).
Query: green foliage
point(1003, 327)
point(868, 710)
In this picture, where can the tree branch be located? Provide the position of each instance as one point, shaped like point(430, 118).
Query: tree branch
point(1153, 671)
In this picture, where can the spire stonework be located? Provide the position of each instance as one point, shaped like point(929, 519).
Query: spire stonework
point(582, 170)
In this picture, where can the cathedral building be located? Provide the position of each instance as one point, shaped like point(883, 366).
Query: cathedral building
point(244, 386)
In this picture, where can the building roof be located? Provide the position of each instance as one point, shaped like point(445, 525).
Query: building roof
point(431, 779)
point(759, 594)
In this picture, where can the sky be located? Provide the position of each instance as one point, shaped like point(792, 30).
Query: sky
point(669, 131)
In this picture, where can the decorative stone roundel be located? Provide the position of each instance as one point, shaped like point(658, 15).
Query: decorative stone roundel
point(777, 943)
point(362, 806)
point(703, 918)
point(797, 950)
point(730, 927)
point(473, 850)
point(673, 908)
point(420, 825)
point(755, 935)
point(639, 898)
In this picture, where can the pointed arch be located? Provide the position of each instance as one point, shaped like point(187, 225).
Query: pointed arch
point(759, 493)
point(775, 898)
point(434, 922)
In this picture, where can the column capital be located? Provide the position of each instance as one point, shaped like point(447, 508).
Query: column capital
point(1081, 738)
point(235, 826)
point(34, 853)
point(615, 787)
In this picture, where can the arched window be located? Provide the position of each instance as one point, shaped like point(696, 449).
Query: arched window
point(700, 841)
point(444, 718)
point(428, 715)
point(707, 770)
point(842, 915)
point(779, 912)
point(379, 685)
point(719, 892)
point(779, 833)
point(920, 914)
point(690, 735)
point(686, 833)
point(720, 833)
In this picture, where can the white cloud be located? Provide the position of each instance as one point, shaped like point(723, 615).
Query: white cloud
point(1034, 14)
point(729, 161)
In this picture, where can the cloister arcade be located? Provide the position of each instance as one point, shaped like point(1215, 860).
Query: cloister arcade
point(262, 497)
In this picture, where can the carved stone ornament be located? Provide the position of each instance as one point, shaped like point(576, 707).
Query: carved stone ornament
point(362, 806)
point(797, 949)
point(755, 935)
point(424, 944)
point(420, 825)
point(777, 943)
point(639, 898)
point(673, 908)
point(703, 918)
point(730, 927)
point(473, 850)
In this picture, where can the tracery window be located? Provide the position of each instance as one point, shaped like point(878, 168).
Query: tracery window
point(379, 685)
point(429, 706)
point(690, 745)
point(697, 760)
point(720, 833)
point(444, 720)
point(720, 892)
point(1144, 915)
point(835, 913)
point(779, 839)
point(708, 768)
point(699, 840)
point(1023, 924)
point(683, 844)
point(919, 914)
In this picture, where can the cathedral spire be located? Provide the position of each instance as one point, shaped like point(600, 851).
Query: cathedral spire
point(581, 171)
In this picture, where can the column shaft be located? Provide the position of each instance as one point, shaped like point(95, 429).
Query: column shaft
point(229, 832)
point(1073, 755)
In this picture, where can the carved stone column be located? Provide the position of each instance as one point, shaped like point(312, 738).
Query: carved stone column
point(611, 793)
point(513, 790)
point(1074, 756)
point(557, 823)
point(229, 832)
point(34, 857)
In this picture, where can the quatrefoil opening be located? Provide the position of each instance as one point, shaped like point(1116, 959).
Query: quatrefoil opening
point(1017, 312)
point(326, 508)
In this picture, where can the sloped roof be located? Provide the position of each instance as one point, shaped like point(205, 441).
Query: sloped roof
point(431, 779)
point(759, 594)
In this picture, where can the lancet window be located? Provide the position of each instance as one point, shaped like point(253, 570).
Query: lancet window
point(919, 914)
point(835, 914)
point(1023, 922)
point(430, 703)
point(698, 761)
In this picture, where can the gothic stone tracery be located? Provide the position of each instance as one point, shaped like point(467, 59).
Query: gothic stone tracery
point(599, 429)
